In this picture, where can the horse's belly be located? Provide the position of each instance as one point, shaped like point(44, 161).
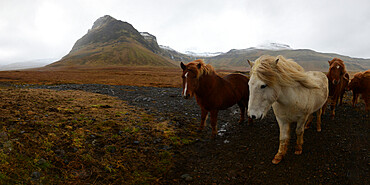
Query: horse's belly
point(300, 104)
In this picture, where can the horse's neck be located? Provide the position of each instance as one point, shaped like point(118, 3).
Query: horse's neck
point(286, 95)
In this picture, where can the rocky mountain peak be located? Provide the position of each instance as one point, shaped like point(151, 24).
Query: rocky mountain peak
point(102, 21)
point(107, 29)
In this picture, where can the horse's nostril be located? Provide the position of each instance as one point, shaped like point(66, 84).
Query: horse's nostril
point(253, 117)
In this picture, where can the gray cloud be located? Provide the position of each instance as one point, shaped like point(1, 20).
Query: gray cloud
point(49, 28)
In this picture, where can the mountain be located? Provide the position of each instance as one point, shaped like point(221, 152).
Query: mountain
point(27, 64)
point(236, 59)
point(112, 42)
point(203, 54)
point(175, 55)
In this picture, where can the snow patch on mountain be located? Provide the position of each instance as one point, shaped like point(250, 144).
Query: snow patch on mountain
point(273, 46)
point(203, 54)
point(166, 48)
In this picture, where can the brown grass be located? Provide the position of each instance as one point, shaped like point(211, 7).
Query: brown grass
point(138, 76)
point(134, 76)
point(77, 137)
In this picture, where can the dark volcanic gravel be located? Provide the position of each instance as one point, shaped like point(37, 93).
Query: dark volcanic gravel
point(242, 154)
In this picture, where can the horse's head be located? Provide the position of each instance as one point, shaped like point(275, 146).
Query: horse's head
point(355, 82)
point(190, 77)
point(262, 94)
point(336, 71)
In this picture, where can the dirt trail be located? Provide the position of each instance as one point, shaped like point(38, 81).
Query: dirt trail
point(242, 154)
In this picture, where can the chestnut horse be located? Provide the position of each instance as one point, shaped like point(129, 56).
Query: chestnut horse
point(212, 92)
point(360, 84)
point(338, 81)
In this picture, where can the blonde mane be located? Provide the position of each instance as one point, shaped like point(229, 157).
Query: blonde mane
point(285, 72)
point(205, 69)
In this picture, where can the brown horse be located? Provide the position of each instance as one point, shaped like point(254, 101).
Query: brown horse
point(360, 84)
point(212, 92)
point(338, 81)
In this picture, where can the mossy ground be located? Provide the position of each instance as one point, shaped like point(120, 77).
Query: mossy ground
point(75, 137)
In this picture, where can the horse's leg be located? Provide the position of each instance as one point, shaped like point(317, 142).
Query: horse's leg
point(283, 141)
point(318, 124)
point(203, 117)
point(245, 101)
point(332, 107)
point(242, 112)
point(307, 126)
point(325, 105)
point(214, 114)
point(342, 95)
point(354, 100)
point(299, 132)
point(366, 98)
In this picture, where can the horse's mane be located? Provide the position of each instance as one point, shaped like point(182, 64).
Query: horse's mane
point(366, 74)
point(286, 72)
point(339, 62)
point(202, 68)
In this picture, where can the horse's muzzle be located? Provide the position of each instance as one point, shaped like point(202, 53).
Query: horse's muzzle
point(256, 116)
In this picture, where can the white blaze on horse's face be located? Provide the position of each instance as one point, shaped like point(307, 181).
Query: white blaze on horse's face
point(261, 98)
point(184, 91)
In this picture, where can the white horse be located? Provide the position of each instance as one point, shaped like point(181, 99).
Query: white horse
point(293, 94)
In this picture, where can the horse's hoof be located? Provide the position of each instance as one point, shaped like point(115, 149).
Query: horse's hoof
point(319, 130)
point(250, 121)
point(276, 161)
point(332, 117)
point(298, 152)
point(241, 121)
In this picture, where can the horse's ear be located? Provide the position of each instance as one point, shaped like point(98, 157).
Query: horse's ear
point(199, 65)
point(250, 63)
point(329, 62)
point(346, 76)
point(183, 67)
point(276, 61)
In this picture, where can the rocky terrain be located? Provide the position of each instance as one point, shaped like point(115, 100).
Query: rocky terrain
point(242, 154)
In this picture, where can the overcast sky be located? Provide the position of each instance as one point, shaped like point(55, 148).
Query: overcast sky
point(39, 29)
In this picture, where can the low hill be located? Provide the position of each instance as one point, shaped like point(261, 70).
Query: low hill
point(308, 59)
point(112, 42)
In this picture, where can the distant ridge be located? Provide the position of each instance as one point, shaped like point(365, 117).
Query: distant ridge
point(112, 42)
point(308, 59)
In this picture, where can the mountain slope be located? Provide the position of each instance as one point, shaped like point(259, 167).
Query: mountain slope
point(308, 59)
point(113, 42)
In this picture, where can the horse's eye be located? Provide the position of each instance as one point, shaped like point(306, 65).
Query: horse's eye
point(263, 86)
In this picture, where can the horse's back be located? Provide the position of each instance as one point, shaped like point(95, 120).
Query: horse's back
point(236, 78)
point(319, 77)
point(239, 84)
point(321, 94)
